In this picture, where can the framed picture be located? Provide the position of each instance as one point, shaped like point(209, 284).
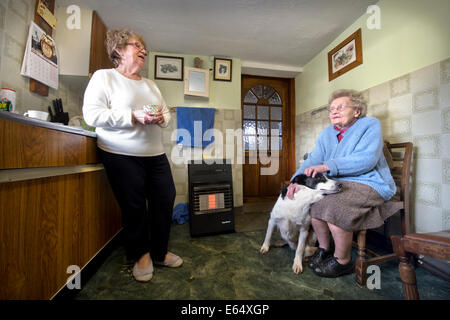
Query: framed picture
point(346, 56)
point(169, 68)
point(196, 82)
point(222, 69)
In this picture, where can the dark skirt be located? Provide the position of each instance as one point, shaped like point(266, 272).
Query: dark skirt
point(356, 207)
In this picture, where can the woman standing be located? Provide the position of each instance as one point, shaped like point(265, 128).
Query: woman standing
point(129, 138)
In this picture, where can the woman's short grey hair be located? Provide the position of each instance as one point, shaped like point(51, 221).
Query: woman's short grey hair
point(356, 98)
point(117, 39)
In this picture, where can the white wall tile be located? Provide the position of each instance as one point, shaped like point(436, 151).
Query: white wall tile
point(427, 219)
point(429, 170)
point(400, 106)
point(445, 219)
point(445, 145)
point(399, 86)
point(445, 71)
point(446, 171)
point(428, 146)
point(181, 188)
point(2, 16)
point(181, 199)
point(428, 193)
point(444, 96)
point(229, 115)
point(426, 123)
point(179, 175)
point(16, 27)
point(14, 50)
point(397, 127)
point(446, 196)
point(379, 111)
point(426, 100)
point(445, 115)
point(425, 78)
point(229, 124)
point(20, 8)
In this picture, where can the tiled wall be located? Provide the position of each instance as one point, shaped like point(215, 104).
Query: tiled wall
point(15, 17)
point(224, 119)
point(415, 108)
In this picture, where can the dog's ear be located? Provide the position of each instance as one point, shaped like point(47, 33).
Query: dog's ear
point(284, 191)
point(300, 179)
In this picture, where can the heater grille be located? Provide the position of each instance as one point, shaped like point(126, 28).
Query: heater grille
point(212, 198)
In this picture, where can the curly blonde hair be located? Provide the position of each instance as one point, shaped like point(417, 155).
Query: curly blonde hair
point(117, 39)
point(356, 98)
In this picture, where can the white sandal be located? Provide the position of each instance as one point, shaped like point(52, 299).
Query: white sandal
point(143, 275)
point(173, 262)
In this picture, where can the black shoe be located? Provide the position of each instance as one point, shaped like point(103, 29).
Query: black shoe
point(330, 268)
point(319, 256)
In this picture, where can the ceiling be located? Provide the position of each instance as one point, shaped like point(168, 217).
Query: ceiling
point(271, 37)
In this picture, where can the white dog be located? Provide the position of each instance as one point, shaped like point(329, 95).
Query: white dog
point(292, 216)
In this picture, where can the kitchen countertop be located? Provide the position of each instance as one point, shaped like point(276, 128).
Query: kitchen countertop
point(45, 124)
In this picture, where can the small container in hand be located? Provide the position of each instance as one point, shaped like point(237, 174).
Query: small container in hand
point(152, 108)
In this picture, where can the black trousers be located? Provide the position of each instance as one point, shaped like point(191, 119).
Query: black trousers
point(145, 191)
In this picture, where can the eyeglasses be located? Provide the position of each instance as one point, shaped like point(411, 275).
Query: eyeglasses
point(138, 45)
point(338, 108)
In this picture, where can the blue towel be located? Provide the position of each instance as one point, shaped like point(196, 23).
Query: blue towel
point(181, 213)
point(194, 118)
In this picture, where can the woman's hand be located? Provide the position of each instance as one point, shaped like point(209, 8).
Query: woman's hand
point(148, 117)
point(158, 116)
point(292, 188)
point(313, 170)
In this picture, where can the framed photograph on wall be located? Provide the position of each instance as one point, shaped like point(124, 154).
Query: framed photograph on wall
point(196, 82)
point(345, 56)
point(222, 69)
point(169, 68)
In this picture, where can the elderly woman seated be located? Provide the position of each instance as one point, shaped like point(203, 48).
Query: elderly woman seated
point(349, 150)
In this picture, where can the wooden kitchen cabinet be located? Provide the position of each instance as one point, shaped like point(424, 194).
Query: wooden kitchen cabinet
point(57, 208)
point(81, 48)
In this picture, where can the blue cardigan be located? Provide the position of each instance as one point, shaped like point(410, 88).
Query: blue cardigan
point(358, 157)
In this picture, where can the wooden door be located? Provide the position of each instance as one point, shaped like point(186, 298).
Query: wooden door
point(268, 133)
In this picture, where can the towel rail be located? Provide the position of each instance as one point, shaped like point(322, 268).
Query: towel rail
point(174, 109)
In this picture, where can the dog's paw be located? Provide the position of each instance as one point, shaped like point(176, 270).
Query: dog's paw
point(297, 267)
point(264, 249)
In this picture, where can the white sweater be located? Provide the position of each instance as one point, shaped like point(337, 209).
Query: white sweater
point(109, 100)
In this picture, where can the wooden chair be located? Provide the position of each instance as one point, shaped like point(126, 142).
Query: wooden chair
point(434, 245)
point(399, 156)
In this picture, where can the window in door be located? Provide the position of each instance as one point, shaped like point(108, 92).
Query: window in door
point(262, 119)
